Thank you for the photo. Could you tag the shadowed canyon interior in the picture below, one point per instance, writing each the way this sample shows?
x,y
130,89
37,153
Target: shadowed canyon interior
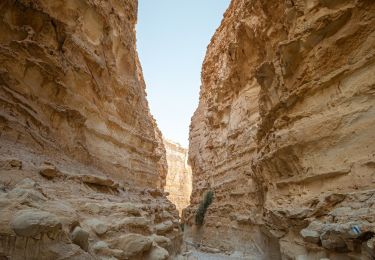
x,y
283,139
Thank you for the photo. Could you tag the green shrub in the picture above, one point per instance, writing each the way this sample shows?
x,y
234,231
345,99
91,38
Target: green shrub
x,y
203,206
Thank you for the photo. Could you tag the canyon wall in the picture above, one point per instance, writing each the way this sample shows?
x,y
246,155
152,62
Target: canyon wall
x,y
82,162
284,132
71,83
179,179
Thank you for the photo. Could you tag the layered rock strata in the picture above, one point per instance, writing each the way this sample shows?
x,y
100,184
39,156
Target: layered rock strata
x,y
71,83
179,179
72,215
284,132
82,163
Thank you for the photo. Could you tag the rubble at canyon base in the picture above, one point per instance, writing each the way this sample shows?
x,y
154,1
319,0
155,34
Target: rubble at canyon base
x,y
284,132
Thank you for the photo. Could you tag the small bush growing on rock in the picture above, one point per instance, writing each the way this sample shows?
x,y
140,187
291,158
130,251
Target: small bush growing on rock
x,y
203,206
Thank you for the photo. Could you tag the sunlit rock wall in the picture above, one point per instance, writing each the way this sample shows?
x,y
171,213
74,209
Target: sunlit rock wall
x,y
82,162
179,179
71,83
284,131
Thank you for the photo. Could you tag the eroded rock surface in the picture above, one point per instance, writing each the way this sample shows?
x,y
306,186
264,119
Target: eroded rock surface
x,y
71,83
179,177
73,220
82,163
284,131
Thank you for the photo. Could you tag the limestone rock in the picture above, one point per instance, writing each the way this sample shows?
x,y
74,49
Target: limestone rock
x,y
76,88
32,223
77,137
311,236
332,240
97,180
179,178
98,226
157,253
49,171
130,208
136,222
155,192
132,244
25,194
63,251
161,241
164,227
11,164
26,183
26,190
284,130
80,237
102,248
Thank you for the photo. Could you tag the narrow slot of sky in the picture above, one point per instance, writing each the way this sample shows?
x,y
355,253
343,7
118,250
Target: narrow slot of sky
x,y
172,36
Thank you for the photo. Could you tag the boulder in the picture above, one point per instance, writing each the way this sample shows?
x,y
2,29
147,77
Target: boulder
x,y
102,248
155,192
80,237
32,223
164,227
98,226
312,233
333,240
49,171
162,241
132,244
98,180
310,236
157,253
134,222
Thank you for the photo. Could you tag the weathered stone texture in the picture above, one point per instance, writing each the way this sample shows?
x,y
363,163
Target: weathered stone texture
x,y
179,179
71,82
82,162
284,131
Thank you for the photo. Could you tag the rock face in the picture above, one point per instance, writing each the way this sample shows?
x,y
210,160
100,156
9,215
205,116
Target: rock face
x,y
284,131
69,219
71,83
82,163
179,179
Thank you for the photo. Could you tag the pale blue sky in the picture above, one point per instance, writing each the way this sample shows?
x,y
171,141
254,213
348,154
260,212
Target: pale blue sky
x,y
172,36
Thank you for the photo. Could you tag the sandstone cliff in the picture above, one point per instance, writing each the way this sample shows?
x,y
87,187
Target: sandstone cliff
x,y
284,131
82,163
179,179
71,82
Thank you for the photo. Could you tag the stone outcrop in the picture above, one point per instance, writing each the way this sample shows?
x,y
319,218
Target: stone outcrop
x,y
179,179
82,162
71,83
284,132
70,219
